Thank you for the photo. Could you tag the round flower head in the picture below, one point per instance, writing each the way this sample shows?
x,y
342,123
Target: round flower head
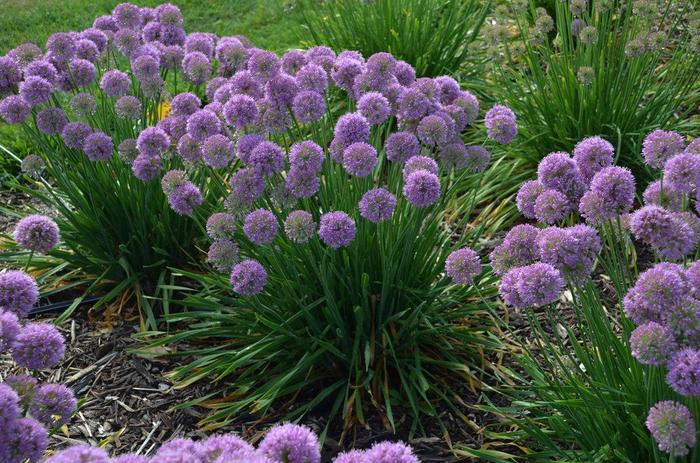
x,y
130,458
128,107
61,45
244,83
281,90
684,321
359,159
306,156
171,179
391,452
693,147
189,149
215,84
9,329
517,250
14,110
669,235
153,142
38,346
51,121
82,72
308,106
301,183
527,197
260,226
413,104
10,73
344,72
201,42
221,226
684,372
184,104
422,188
223,255
656,292
24,386
273,118
353,456
169,14
591,155
18,292
37,233
226,446
469,104
203,124
672,426
196,67
417,163
588,35
652,344
501,125
432,130
401,146
32,165
217,151
40,68
145,67
352,128
682,172
21,440
35,90
248,278
267,158
240,110
475,158
127,150
374,107
572,251
533,285
82,453
184,198
293,61
292,443
660,146
337,229
693,276
83,104
559,172
9,406
616,187
299,226
247,184
246,144
312,77
97,37
53,405
98,146
146,167
377,205
127,15
462,266
263,65
551,206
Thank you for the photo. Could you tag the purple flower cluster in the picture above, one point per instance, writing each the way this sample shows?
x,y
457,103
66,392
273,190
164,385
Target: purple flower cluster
x,y
462,266
532,285
37,233
672,426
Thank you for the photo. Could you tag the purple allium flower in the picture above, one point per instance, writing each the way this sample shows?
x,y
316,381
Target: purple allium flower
x,y
377,205
449,89
87,50
126,41
246,144
23,439
344,72
41,68
35,90
299,226
171,179
533,285
169,14
475,158
215,84
682,172
247,184
306,156
353,456
656,292
232,55
469,103
337,229
291,442
501,125
153,142
391,452
200,42
97,37
24,386
98,146
248,278
184,198
9,406
240,110
127,15
84,104
82,453
591,155
223,255
668,234
559,172
308,106
267,158
185,446
381,64
684,372
146,167
660,146
244,83
82,72
128,107
517,250
105,23
432,130
672,426
417,163
14,109
184,104
301,183
422,188
572,251
273,118
18,292
359,159
196,67
293,61
221,226
322,56
38,346
263,64
462,266
684,321
281,90
145,67
32,165
404,73
652,344
53,405
51,121
693,147
693,276
9,329
189,149
203,124
217,151
401,146
37,233
413,104
312,77
130,458
374,107
10,73
127,150
172,56
260,226
551,206
226,446
61,45
616,187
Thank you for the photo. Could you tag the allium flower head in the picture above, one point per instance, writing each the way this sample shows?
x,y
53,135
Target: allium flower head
x,y
267,158
308,106
35,90
184,104
200,42
682,172
221,225
244,83
24,386
61,45
196,67
146,167
572,251
41,68
226,446
240,110
391,452
9,329
261,226
413,104
128,107
533,285
189,149
38,346
527,196
184,198
18,292
462,266
169,14
263,64
9,406
51,121
32,165
559,172
171,179
291,442
14,110
153,141
591,155
312,77
10,73
517,249
281,90
616,187
84,104
660,146
37,233
352,128
23,439
353,456
672,426
359,159
433,131
684,372
475,158
422,188
82,453
127,15
247,184
301,183
588,35
374,107
203,124
299,226
344,72
656,292
551,206
417,163
337,229
693,147
248,278
218,151
98,146
501,125
652,344
53,405
97,37
82,72
377,205
668,234
223,255
306,156
293,61
400,146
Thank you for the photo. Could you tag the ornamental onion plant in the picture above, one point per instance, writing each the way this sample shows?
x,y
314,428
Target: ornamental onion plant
x,y
338,265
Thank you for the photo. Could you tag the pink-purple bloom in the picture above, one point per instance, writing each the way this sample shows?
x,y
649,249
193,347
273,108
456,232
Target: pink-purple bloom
x,y
422,188
462,266
291,442
337,229
377,205
672,426
299,226
660,146
501,125
18,292
261,226
38,346
248,277
37,233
